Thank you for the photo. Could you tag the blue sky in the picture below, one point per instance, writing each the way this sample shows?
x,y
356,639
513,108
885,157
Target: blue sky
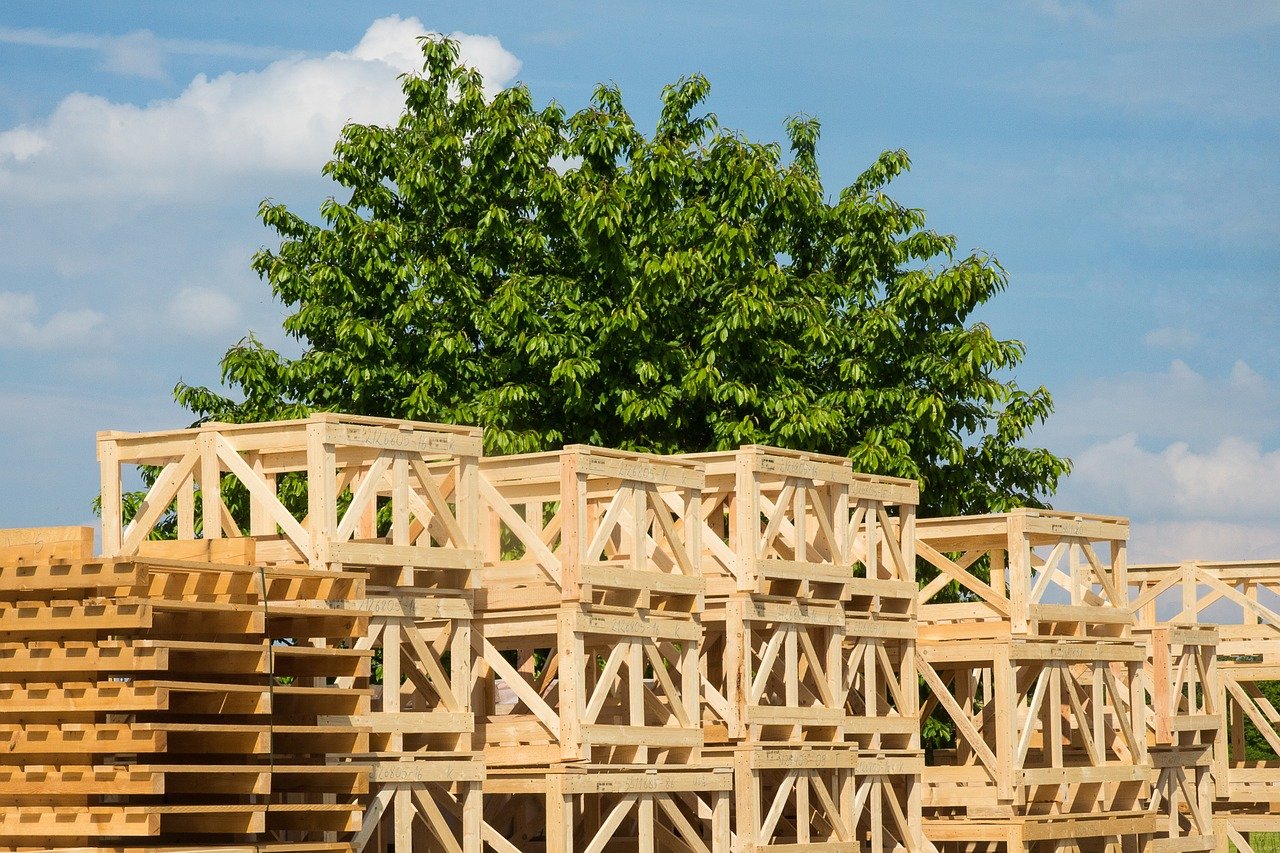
x,y
1118,158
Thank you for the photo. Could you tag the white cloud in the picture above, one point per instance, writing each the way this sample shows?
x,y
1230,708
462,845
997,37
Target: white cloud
x,y
1169,337
203,312
1178,404
1236,479
138,54
21,328
1221,504
1176,541
221,131
1193,460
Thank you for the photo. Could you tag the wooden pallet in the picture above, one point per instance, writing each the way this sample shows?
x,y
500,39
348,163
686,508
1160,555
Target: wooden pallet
x,y
423,474
141,698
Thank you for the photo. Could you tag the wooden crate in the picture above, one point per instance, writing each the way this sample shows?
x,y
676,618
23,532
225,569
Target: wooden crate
x,y
823,796
422,475
811,592
589,557
1222,682
809,689
1038,670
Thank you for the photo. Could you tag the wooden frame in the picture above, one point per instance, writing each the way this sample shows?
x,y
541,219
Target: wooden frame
x,y
1236,602
424,473
592,649
1038,672
824,797
1032,556
808,664
396,499
589,557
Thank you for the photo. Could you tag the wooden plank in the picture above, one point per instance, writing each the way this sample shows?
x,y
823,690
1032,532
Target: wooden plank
x,y
420,556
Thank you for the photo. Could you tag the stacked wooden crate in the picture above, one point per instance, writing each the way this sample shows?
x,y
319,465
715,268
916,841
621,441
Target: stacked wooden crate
x,y
808,655
588,632
392,502
159,700
1034,663
597,650
1238,602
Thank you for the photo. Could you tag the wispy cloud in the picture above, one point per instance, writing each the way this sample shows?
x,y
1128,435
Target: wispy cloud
x,y
140,53
1162,20
1177,404
1169,337
22,328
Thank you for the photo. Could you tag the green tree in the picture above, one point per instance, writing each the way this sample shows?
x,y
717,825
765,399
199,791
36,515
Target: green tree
x,y
563,278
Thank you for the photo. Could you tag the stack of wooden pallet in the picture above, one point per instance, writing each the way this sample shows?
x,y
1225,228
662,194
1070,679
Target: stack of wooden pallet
x,y
808,650
394,504
172,698
588,630
1228,683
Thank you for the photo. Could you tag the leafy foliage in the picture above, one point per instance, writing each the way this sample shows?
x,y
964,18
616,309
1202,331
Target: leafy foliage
x,y
563,278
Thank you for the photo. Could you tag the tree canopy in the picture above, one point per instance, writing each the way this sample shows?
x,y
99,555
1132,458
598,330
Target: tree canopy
x,y
562,278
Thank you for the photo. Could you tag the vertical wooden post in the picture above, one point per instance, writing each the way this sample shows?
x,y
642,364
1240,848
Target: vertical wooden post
x,y
738,654
109,466
747,799
746,519
872,526
1189,595
1019,548
572,687
907,514
321,500
559,816
877,812
1006,717
210,485
472,817
1161,675
467,501
186,509
260,521
1120,565
573,527
720,828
